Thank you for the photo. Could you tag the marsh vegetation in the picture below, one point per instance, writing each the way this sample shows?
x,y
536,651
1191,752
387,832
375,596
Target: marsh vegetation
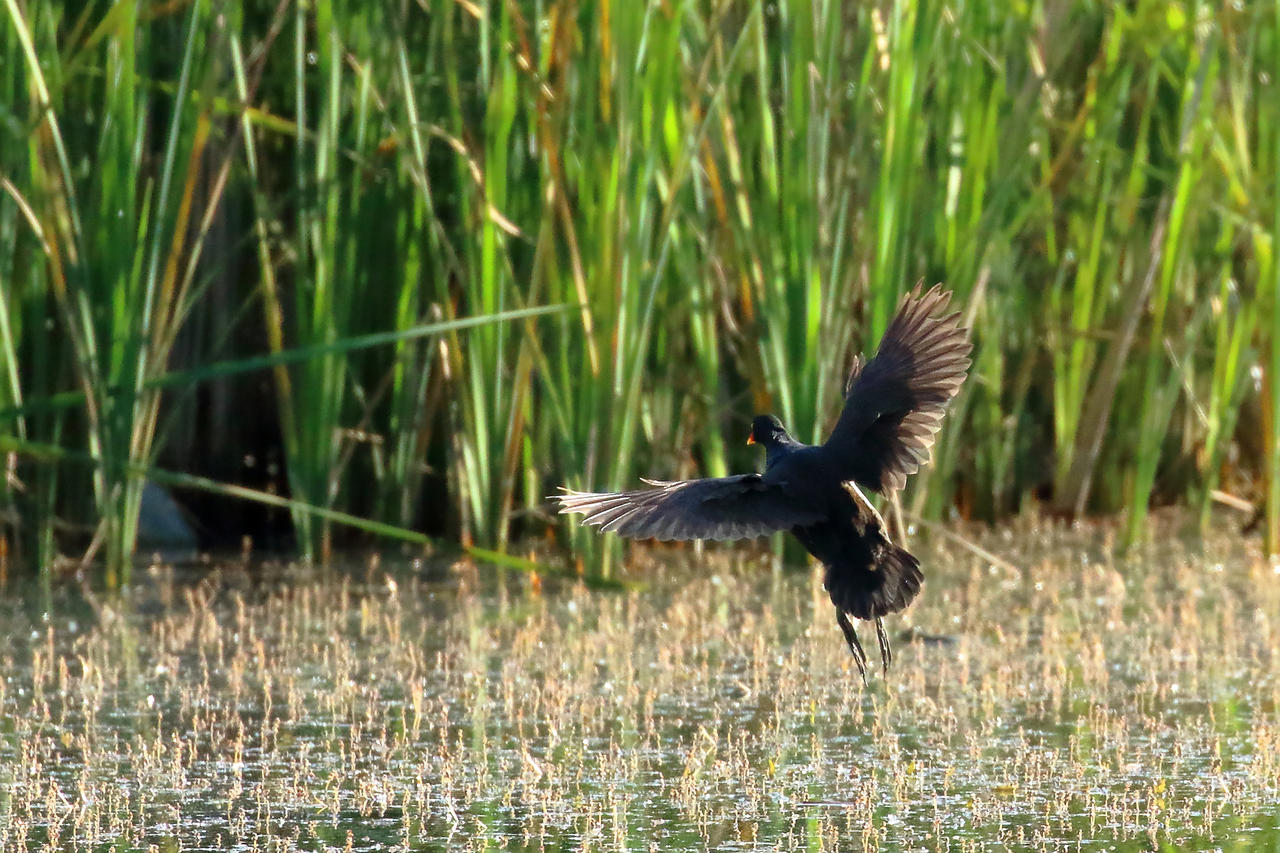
x,y
1075,700
334,273
412,265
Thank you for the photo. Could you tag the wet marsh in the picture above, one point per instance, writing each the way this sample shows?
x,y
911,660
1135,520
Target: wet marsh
x,y
1083,700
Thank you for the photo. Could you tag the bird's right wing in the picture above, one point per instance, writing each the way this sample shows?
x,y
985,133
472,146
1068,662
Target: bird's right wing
x,y
738,507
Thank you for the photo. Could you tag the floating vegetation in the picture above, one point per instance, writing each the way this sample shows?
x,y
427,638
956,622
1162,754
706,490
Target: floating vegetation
x,y
1078,701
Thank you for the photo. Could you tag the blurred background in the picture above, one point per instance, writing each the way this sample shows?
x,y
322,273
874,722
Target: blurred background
x,y
322,272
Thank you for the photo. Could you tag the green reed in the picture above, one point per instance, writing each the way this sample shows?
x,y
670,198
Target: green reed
x,y
120,237
729,197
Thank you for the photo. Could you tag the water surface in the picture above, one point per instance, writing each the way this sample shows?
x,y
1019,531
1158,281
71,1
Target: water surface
x,y
1068,699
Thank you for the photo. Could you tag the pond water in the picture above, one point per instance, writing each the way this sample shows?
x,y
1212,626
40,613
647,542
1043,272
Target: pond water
x,y
1062,698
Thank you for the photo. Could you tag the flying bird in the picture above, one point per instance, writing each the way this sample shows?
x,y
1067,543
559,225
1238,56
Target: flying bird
x,y
893,408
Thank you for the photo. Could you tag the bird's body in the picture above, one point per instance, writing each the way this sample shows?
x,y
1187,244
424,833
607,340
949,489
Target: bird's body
x,y
893,408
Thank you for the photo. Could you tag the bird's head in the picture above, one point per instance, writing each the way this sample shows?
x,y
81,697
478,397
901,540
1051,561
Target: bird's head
x,y
769,431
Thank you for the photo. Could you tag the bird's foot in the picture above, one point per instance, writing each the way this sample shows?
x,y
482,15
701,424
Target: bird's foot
x,y
851,637
886,651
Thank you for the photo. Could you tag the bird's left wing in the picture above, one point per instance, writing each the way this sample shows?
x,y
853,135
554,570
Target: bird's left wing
x,y
738,507
894,403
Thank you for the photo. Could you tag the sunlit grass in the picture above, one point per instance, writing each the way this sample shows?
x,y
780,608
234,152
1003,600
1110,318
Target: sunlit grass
x,y
1079,698
730,196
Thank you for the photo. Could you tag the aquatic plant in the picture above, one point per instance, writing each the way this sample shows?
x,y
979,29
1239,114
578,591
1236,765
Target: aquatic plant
x,y
731,197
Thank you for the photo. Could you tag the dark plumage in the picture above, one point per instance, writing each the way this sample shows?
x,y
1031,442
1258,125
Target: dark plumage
x,y
893,408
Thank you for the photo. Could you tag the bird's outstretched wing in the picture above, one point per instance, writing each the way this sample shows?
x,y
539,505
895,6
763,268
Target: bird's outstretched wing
x,y
895,402
737,507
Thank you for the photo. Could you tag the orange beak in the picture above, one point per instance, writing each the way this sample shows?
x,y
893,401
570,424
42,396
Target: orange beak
x,y
751,439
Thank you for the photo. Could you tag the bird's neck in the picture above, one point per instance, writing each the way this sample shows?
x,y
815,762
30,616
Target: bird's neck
x,y
774,451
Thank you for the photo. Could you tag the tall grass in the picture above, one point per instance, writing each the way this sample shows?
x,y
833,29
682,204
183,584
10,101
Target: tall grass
x,y
730,195
118,227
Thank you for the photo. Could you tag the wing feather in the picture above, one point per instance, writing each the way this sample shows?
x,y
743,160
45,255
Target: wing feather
x,y
737,507
895,402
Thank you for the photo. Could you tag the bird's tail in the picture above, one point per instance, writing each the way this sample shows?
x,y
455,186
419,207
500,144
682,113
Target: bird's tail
x,y
892,583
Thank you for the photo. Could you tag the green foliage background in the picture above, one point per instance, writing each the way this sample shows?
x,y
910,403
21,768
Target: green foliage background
x,y
716,203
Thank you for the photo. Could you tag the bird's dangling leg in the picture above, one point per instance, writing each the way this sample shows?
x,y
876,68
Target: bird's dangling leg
x,y
886,652
851,637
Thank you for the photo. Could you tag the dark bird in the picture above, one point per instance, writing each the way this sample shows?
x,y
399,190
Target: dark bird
x,y
893,408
